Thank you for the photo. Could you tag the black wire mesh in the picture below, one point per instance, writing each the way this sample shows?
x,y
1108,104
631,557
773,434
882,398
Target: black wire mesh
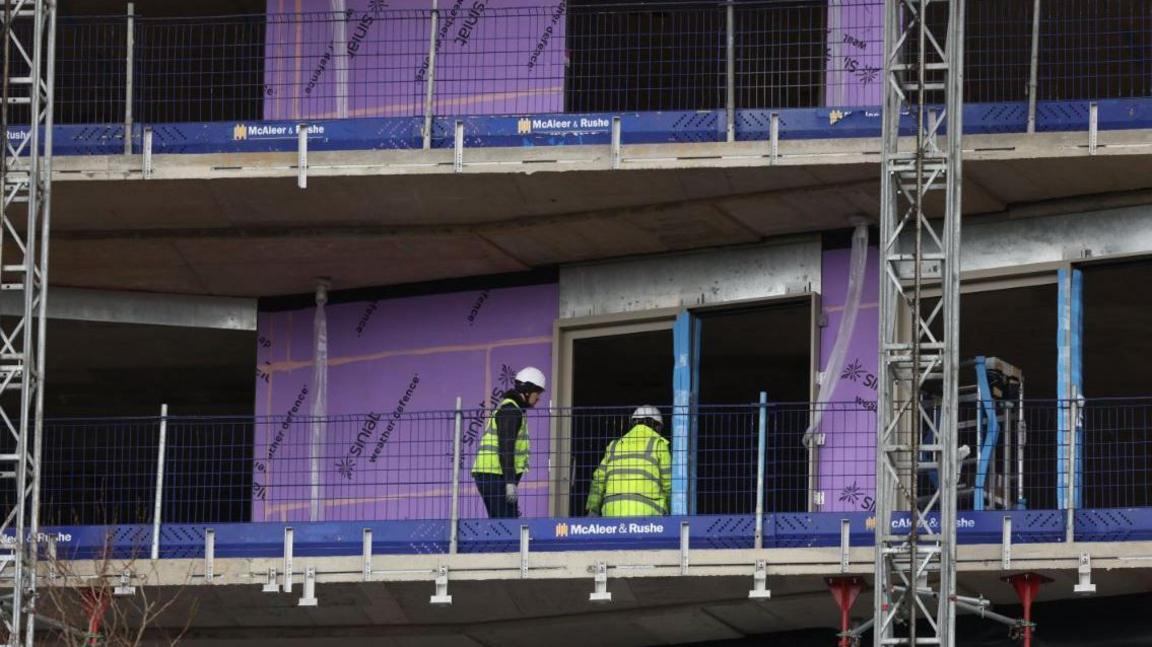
x,y
578,57
399,466
91,70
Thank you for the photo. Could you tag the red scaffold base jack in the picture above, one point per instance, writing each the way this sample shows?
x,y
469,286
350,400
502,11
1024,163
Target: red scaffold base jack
x,y
845,590
95,606
1027,585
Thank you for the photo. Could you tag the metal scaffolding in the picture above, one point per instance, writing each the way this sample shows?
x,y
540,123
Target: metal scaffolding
x,y
916,440
25,175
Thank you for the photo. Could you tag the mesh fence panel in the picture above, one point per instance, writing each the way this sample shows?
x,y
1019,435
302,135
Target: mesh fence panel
x,y
572,57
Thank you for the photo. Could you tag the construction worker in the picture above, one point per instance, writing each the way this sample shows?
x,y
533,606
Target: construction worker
x,y
504,448
635,477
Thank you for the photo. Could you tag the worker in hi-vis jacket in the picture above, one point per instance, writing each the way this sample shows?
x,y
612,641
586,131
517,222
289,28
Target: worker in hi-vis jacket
x,y
635,477
504,448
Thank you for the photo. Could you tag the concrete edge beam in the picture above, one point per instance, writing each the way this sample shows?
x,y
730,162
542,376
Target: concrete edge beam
x,y
581,564
143,308
579,158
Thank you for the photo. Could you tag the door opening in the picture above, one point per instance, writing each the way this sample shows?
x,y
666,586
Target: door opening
x,y
610,375
743,352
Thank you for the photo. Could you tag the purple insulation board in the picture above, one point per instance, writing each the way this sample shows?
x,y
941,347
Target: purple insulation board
x,y
847,459
395,370
855,53
492,57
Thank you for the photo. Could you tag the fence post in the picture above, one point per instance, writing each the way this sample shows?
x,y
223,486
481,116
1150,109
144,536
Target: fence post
x,y
430,80
160,455
1070,511
455,511
761,442
302,156
730,76
1034,67
128,74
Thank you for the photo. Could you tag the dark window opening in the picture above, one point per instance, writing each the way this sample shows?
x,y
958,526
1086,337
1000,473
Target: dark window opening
x,y
1017,326
1095,50
100,469
207,69
1117,385
668,58
674,56
190,64
781,55
743,352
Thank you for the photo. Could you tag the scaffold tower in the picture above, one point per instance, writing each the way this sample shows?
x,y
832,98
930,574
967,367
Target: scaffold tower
x,y
25,174
915,582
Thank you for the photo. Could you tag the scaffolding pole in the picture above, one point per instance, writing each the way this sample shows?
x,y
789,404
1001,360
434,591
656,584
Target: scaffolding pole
x,y
25,175
915,515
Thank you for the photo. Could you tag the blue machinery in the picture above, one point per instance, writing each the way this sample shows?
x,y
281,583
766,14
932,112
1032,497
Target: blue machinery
x,y
991,420
996,403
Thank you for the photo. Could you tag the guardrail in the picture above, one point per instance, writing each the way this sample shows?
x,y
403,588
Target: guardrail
x,y
740,459
497,58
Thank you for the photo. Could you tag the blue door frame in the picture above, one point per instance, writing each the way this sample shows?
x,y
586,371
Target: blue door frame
x,y
685,386
1070,386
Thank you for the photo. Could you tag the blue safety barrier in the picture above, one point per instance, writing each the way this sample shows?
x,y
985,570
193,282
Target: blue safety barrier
x,y
584,533
782,530
76,140
393,133
259,539
677,127
1114,524
580,129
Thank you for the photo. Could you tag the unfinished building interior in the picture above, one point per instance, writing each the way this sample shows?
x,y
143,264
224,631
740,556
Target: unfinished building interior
x,y
301,250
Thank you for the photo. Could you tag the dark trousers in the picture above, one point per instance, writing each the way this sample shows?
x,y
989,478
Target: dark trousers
x,y
491,487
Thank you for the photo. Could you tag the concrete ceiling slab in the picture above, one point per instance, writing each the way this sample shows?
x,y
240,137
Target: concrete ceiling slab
x,y
748,618
685,626
126,264
644,611
281,266
1034,180
265,237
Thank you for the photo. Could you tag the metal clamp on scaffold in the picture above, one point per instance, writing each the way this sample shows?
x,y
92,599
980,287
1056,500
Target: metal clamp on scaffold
x,y
125,588
601,592
1084,572
289,535
209,555
760,582
366,553
309,597
270,586
441,596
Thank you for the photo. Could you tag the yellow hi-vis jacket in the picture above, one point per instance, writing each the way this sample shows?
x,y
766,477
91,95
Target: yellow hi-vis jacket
x,y
635,477
488,456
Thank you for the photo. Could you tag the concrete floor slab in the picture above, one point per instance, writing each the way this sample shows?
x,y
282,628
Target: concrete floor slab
x,y
365,221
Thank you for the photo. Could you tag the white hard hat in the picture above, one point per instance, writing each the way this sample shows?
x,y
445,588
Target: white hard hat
x,y
648,411
531,376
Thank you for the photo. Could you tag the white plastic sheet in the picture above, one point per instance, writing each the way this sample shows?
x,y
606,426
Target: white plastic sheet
x,y
857,266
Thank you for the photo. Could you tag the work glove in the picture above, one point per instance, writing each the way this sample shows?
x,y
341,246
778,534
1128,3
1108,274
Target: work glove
x,y
510,493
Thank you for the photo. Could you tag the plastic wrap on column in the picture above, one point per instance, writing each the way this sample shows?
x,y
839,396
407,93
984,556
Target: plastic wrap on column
x,y
857,265
320,398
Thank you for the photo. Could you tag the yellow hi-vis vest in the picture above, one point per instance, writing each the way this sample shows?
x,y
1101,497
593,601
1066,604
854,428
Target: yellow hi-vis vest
x,y
635,477
488,456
